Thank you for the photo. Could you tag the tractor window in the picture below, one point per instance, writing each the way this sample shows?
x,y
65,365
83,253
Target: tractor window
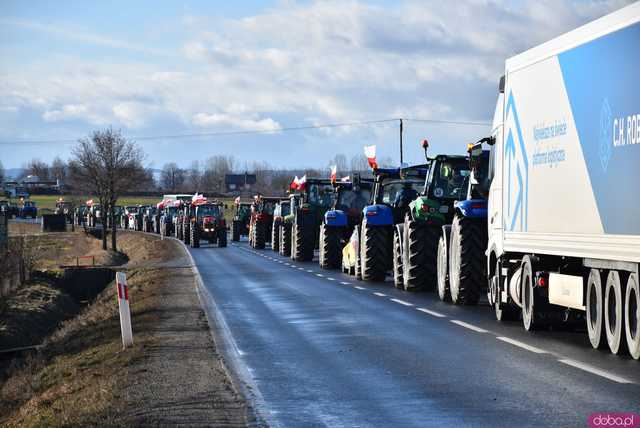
x,y
353,199
284,210
392,190
208,210
267,208
132,210
450,180
320,195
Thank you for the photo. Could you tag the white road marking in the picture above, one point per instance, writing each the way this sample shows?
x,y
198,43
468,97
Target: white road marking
x,y
430,312
300,268
595,371
380,294
287,264
345,283
320,275
358,287
522,345
331,279
309,270
469,326
402,302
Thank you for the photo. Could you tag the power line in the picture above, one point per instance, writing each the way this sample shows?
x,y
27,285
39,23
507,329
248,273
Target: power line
x,y
252,132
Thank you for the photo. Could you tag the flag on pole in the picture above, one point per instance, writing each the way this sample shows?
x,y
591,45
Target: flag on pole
x,y
334,173
370,153
294,183
302,182
198,198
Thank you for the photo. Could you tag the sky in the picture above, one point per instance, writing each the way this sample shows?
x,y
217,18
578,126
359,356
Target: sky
x,y
166,68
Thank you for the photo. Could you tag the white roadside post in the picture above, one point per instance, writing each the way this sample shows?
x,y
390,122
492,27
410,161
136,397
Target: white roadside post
x,y
123,306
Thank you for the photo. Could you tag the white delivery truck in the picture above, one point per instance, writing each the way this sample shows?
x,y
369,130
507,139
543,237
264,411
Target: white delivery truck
x,y
564,204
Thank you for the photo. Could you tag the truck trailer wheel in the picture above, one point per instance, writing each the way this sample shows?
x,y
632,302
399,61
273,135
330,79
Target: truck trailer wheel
x,y
222,238
275,236
398,278
285,240
420,255
631,315
195,236
235,231
614,312
443,270
467,260
375,250
595,309
330,254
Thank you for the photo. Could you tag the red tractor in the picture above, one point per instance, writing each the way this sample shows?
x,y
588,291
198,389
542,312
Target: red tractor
x,y
261,220
206,221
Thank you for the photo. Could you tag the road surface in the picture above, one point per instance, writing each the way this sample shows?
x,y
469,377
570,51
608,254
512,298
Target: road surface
x,y
319,348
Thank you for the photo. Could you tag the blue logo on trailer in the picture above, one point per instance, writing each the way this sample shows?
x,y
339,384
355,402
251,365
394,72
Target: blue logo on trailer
x,y
517,169
606,122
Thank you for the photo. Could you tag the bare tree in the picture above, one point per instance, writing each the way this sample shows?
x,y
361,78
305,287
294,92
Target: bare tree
x,y
172,177
194,176
340,161
215,170
58,170
359,163
107,164
37,168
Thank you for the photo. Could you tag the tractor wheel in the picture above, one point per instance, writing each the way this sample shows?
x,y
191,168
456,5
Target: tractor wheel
x,y
186,233
260,233
235,231
398,280
420,255
467,271
443,270
194,238
275,236
330,254
179,231
376,248
285,239
303,243
222,238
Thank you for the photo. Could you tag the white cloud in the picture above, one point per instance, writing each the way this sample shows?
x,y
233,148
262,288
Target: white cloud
x,y
218,119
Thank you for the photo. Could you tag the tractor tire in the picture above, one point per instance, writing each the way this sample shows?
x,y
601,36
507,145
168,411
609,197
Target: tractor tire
x,y
275,236
302,243
376,250
260,233
235,231
398,278
222,238
420,255
194,238
186,233
467,270
285,240
443,270
330,254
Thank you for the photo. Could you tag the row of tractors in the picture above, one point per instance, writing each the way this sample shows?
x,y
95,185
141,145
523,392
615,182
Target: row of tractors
x,y
424,224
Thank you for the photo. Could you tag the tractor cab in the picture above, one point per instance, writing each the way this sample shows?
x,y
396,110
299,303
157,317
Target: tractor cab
x,y
261,224
396,188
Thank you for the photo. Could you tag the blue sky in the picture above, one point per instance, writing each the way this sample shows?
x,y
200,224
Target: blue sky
x,y
164,68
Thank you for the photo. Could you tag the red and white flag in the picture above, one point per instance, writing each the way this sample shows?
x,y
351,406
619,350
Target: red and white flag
x,y
370,153
198,198
294,183
334,173
302,182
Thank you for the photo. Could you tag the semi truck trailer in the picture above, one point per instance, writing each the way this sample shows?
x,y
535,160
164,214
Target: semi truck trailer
x,y
564,206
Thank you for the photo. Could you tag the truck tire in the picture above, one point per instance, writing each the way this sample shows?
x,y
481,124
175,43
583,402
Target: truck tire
x,y
398,279
194,239
285,240
235,231
595,309
631,304
614,312
375,252
222,238
330,254
420,256
467,270
259,235
528,295
302,243
502,311
275,236
443,270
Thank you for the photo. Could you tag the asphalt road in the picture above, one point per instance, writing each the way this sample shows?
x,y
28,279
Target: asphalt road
x,y
319,348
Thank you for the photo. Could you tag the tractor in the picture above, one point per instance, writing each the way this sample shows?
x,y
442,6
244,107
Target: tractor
x,y
168,212
280,211
415,249
94,215
205,220
260,224
461,262
369,252
339,222
127,213
65,208
148,219
313,200
241,218
286,213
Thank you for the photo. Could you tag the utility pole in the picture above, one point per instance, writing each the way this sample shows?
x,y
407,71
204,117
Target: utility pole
x,y
401,158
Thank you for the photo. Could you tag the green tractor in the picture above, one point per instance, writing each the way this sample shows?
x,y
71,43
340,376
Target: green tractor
x,y
415,249
241,218
287,214
314,198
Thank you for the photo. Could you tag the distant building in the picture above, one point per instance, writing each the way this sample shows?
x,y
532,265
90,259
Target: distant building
x,y
30,184
239,183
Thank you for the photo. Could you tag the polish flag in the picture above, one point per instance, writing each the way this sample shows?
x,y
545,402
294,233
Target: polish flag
x,y
370,153
302,182
334,173
198,199
295,183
